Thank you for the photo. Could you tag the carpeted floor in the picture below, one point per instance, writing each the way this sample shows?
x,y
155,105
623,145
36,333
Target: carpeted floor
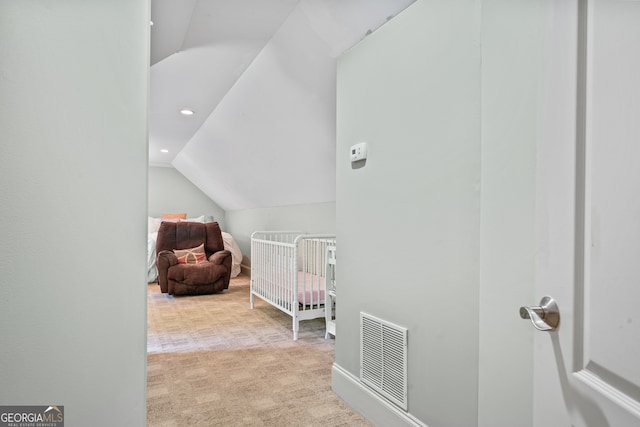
x,y
212,361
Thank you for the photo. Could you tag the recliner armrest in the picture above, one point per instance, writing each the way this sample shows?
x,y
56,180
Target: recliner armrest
x,y
219,257
164,260
169,257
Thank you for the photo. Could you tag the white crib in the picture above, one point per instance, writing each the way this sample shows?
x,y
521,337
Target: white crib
x,y
287,271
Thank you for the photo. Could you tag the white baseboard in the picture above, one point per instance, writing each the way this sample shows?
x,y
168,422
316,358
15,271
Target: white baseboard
x,y
245,269
376,409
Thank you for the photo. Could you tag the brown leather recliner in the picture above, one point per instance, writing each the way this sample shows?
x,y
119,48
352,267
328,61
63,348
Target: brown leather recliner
x,y
206,277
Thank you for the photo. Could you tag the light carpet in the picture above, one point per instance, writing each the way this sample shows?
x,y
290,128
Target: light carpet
x,y
212,361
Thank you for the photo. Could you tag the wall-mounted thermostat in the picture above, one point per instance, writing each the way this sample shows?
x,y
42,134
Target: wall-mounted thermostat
x,y
359,152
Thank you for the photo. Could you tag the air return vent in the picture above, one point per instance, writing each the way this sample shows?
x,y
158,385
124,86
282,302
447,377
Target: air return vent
x,y
383,358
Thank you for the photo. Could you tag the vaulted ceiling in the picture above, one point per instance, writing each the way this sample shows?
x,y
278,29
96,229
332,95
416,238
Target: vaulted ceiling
x,y
260,77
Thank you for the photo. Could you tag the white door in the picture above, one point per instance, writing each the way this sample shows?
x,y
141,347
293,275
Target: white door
x,y
587,372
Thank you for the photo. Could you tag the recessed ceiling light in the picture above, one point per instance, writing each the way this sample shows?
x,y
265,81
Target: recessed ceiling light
x,y
151,23
164,150
186,112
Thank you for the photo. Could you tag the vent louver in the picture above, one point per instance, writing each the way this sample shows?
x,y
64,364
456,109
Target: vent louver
x,y
383,358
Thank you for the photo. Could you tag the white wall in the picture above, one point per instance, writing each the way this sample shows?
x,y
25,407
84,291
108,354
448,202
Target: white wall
x,y
73,201
446,95
512,38
408,222
310,218
274,127
171,192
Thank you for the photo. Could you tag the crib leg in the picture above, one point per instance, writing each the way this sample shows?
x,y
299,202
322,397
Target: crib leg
x,y
251,300
295,328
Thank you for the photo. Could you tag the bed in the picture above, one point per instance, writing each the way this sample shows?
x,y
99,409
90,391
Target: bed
x,y
152,230
287,271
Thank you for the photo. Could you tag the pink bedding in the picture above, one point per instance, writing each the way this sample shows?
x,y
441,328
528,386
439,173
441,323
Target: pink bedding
x,y
311,292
